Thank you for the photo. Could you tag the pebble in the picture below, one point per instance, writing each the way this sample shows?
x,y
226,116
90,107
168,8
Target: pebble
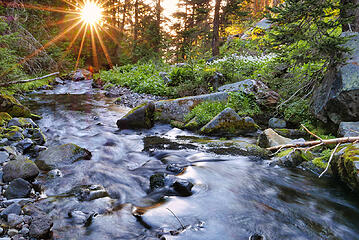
x,y
12,232
24,230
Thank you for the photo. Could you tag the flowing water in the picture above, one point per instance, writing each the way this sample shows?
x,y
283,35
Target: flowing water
x,y
233,196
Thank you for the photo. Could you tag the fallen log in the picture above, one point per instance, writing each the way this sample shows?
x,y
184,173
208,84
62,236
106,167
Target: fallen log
x,y
314,143
28,80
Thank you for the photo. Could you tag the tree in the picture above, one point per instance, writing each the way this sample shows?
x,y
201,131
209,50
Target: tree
x,y
215,38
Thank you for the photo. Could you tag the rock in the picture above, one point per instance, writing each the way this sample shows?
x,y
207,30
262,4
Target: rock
x,y
18,188
98,83
345,166
24,231
78,217
270,138
228,122
4,118
14,208
139,117
256,237
38,137
58,156
24,145
1,231
177,124
193,124
13,220
40,226
348,129
93,192
22,122
183,187
20,168
157,181
165,77
12,232
277,123
81,74
13,107
337,97
264,96
20,201
264,24
293,158
14,134
292,133
177,109
54,173
57,81
4,157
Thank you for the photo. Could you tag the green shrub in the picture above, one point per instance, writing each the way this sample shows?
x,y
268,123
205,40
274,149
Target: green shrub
x,y
244,104
206,111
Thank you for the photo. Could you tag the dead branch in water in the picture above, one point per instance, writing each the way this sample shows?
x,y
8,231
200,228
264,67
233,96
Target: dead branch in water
x,y
330,160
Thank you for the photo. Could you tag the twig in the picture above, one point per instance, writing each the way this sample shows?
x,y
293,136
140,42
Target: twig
x,y
176,218
353,131
314,135
330,159
310,148
28,80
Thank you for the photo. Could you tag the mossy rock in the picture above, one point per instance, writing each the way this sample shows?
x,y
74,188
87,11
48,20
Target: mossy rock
x,y
177,124
293,158
193,124
59,156
20,168
229,123
4,118
140,117
13,107
22,122
346,166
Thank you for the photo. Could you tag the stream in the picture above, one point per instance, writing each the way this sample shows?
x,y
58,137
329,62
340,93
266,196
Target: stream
x,y
233,197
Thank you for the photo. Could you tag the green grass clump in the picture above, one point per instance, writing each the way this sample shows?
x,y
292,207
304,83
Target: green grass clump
x,y
205,112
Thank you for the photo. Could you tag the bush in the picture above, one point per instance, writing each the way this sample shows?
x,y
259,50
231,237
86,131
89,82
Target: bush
x,y
206,111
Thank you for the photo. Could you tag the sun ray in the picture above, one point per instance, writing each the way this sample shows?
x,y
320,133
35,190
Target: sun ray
x,y
108,58
94,50
72,42
81,46
63,21
110,35
41,7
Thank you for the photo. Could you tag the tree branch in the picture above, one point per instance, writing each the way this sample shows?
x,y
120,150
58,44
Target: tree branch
x,y
28,80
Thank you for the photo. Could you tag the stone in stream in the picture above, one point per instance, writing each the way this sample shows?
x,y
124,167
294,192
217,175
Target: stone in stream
x,y
18,188
24,145
292,158
4,157
269,138
337,97
228,122
20,168
38,137
40,226
59,156
348,129
13,220
170,185
140,117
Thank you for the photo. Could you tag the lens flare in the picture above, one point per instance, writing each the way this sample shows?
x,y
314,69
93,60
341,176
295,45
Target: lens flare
x,y
91,13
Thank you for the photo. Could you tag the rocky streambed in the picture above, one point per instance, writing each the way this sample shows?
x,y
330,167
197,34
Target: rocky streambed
x,y
91,180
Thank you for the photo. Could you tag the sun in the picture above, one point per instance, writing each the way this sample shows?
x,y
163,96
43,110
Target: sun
x,y
91,13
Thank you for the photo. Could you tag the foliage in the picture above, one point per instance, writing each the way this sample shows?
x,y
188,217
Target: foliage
x,y
244,104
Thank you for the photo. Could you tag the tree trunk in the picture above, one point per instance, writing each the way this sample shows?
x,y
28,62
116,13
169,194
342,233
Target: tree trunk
x,y
158,26
215,38
135,30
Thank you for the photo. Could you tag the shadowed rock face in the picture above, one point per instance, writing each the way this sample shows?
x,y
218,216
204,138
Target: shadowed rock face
x,y
139,117
337,98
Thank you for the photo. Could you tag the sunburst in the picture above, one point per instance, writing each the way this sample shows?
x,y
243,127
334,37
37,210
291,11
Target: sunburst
x,y
88,15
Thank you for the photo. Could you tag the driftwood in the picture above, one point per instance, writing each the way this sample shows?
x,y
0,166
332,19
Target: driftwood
x,y
330,160
28,80
315,143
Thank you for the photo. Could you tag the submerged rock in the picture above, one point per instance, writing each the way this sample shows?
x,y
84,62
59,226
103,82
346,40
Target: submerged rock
x,y
139,117
292,158
58,156
177,109
348,129
20,168
18,188
228,122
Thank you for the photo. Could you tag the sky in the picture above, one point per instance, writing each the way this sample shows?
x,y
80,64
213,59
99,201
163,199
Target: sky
x,y
169,7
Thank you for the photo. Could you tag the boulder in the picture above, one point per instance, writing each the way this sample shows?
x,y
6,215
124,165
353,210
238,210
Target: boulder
x,y
277,123
337,98
348,129
40,227
20,168
177,109
80,75
345,165
228,122
269,138
13,107
14,208
59,156
139,117
18,188
264,96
